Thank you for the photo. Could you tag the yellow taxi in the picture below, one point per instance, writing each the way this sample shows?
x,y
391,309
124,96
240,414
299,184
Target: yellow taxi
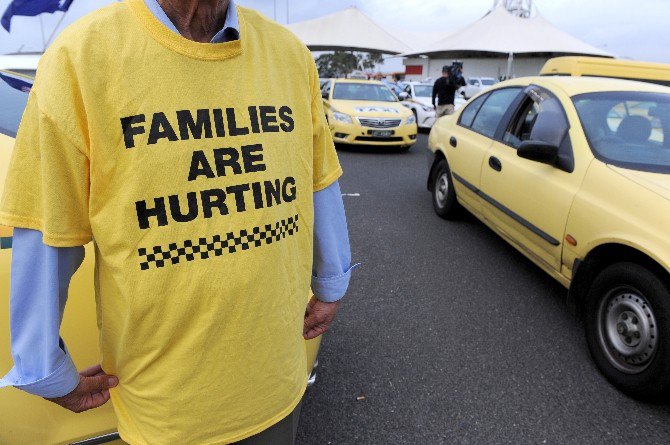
x,y
27,419
364,112
574,172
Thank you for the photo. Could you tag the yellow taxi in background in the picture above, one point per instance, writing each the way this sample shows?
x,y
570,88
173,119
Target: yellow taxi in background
x,y
574,172
364,112
27,419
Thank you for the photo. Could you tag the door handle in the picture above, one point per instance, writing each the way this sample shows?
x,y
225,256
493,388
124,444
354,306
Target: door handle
x,y
453,142
495,163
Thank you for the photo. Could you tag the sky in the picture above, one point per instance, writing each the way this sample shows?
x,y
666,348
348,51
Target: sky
x,y
631,29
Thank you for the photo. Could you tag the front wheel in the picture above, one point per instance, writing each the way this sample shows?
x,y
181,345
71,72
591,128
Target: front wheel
x,y
444,195
628,329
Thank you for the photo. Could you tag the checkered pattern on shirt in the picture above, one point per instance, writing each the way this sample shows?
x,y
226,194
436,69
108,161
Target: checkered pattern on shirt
x,y
206,248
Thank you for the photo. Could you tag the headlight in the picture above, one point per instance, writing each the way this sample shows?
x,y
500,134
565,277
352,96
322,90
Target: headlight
x,y
341,117
411,120
427,109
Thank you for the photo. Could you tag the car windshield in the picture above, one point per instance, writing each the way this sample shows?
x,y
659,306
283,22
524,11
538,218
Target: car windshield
x,y
363,91
423,90
488,82
13,96
628,129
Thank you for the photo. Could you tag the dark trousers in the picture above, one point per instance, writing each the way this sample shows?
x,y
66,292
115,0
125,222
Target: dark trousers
x,y
282,433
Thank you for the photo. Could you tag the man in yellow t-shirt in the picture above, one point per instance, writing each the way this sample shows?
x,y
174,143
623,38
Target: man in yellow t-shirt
x,y
197,178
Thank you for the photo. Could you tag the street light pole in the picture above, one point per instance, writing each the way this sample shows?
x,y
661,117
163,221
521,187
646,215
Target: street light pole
x,y
275,10
288,17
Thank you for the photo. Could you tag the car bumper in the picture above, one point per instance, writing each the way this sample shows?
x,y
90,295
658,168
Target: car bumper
x,y
354,134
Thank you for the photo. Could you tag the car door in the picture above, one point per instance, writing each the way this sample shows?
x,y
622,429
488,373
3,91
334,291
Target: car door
x,y
471,139
529,200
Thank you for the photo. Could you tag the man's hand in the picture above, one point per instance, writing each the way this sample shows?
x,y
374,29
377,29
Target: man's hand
x,y
318,317
92,391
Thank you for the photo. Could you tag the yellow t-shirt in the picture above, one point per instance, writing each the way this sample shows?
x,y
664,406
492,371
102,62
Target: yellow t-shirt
x,y
193,167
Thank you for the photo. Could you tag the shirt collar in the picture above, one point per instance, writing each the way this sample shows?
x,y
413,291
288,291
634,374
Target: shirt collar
x,y
229,32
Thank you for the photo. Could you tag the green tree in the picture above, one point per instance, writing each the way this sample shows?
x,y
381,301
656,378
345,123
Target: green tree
x,y
341,63
337,64
371,59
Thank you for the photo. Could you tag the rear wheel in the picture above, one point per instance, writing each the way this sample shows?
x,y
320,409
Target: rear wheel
x,y
628,329
444,195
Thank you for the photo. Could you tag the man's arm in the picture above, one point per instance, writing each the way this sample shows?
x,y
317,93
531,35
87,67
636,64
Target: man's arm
x,y
435,92
332,260
40,277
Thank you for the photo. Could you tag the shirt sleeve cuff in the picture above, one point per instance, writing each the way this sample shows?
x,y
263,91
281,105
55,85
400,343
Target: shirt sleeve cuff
x,y
57,384
332,289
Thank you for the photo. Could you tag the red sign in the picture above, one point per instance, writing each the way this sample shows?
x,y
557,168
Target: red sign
x,y
416,70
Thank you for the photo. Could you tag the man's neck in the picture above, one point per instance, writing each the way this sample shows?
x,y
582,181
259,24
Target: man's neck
x,y
196,20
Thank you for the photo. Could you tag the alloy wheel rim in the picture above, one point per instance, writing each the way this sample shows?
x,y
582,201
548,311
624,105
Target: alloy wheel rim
x,y
627,330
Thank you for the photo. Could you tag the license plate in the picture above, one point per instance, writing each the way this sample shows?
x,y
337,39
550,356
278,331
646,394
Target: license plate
x,y
381,133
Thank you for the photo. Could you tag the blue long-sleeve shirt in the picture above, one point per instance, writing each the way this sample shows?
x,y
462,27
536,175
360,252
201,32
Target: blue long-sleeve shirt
x,y
41,274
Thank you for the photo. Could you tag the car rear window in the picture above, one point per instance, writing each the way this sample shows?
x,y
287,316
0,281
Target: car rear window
x,y
13,97
491,113
471,110
628,129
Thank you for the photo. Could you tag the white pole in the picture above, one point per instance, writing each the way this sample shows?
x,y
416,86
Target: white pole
x,y
275,10
44,43
288,17
510,62
55,29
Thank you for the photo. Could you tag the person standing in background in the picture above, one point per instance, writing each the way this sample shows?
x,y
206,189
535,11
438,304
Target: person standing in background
x,y
444,90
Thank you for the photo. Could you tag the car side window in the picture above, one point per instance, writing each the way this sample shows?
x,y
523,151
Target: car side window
x,y
468,115
492,111
541,118
408,90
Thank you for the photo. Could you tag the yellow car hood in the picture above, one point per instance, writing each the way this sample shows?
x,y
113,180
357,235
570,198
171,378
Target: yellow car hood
x,y
658,183
371,109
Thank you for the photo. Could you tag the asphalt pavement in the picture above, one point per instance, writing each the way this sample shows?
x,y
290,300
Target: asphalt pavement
x,y
450,336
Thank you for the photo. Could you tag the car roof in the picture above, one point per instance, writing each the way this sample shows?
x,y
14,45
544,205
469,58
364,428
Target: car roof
x,y
573,86
20,61
374,82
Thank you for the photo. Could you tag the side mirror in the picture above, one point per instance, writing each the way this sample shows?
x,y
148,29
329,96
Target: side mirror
x,y
538,151
325,95
403,96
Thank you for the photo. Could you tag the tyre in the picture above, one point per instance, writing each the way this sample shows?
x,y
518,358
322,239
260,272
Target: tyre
x,y
628,330
444,195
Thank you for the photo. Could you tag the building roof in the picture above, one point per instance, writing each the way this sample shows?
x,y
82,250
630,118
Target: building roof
x,y
349,30
500,32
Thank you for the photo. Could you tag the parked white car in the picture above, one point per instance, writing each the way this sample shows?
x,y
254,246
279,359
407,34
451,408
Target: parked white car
x,y
476,85
418,97
22,63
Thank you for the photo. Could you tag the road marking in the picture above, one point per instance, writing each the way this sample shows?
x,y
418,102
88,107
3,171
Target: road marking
x,y
354,195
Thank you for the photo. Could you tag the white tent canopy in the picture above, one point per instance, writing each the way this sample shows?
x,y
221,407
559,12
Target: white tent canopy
x,y
500,32
349,30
